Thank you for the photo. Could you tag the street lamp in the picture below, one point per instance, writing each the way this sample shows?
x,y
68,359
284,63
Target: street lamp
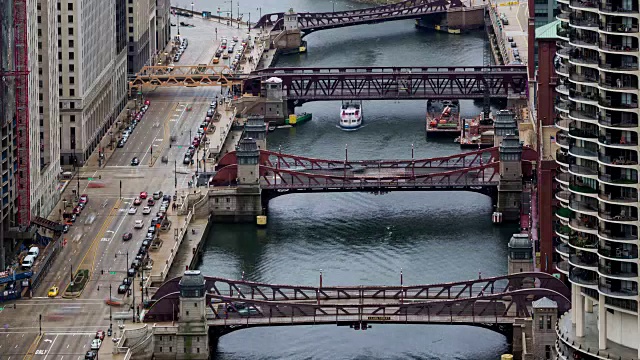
x,y
239,16
192,7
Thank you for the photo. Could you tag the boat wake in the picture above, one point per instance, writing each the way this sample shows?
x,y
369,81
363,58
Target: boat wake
x,y
354,129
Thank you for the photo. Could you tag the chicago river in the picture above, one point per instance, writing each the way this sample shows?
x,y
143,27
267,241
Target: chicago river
x,y
358,238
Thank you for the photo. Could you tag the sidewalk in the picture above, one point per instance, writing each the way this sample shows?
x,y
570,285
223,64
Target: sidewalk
x,y
114,133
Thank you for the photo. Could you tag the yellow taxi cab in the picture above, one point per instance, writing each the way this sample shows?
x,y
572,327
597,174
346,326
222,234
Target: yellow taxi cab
x,y
53,291
216,60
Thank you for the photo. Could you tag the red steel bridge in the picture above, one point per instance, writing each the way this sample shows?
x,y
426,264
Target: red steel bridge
x,y
366,83
490,302
280,174
409,9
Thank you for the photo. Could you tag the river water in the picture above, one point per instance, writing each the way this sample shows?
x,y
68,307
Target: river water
x,y
358,238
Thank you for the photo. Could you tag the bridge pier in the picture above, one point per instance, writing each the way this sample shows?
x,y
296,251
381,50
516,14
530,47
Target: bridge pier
x,y
289,40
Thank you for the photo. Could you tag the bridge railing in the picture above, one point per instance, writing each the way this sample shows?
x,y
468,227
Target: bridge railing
x,y
394,69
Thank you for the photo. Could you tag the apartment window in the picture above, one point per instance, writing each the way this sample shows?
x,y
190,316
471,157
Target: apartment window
x,y
70,43
59,43
39,45
131,48
72,137
59,19
130,28
40,96
41,109
71,56
72,104
72,68
70,19
547,351
130,19
58,6
541,322
59,79
130,38
130,10
40,57
69,6
39,30
548,322
72,118
60,67
60,93
70,31
72,92
72,80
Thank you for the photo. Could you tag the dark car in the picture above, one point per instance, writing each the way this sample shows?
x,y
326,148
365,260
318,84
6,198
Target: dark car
x,y
127,236
135,161
65,228
151,202
151,230
122,289
135,264
90,355
140,257
186,160
155,220
126,281
121,143
149,236
145,244
131,273
166,198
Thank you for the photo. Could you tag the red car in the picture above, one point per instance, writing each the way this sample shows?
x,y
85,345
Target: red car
x,y
100,334
151,202
196,142
77,210
147,102
127,236
84,198
143,195
137,202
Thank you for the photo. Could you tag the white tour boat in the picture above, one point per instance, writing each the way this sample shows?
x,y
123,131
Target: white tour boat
x,y
351,115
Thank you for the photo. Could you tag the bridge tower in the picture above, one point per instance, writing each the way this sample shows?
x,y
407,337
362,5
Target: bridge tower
x,y
289,39
510,186
275,109
520,254
248,162
192,337
503,125
255,128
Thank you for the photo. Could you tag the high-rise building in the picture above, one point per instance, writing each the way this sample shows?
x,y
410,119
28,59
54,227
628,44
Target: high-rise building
x,y
93,78
8,164
163,24
597,109
45,122
141,32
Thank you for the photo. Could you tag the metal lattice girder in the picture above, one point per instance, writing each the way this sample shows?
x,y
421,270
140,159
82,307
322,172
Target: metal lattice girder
x,y
288,161
184,75
232,291
308,22
503,307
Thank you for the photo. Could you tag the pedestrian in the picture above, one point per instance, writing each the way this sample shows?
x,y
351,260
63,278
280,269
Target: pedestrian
x,y
619,82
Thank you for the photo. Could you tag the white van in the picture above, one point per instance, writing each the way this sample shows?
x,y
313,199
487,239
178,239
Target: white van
x,y
27,262
35,251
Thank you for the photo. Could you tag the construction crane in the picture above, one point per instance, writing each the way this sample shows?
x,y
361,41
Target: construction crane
x,y
20,74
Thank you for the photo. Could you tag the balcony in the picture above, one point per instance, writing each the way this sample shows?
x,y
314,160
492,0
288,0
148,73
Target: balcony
x,y
617,160
588,97
583,4
563,178
562,106
588,23
616,272
583,60
618,48
627,66
617,104
584,133
563,196
583,189
617,139
563,124
561,89
618,214
564,52
584,224
583,152
614,288
586,79
587,242
563,16
613,194
563,267
562,159
582,170
564,213
583,277
563,249
618,84
617,7
618,253
619,28
617,179
584,206
589,263
617,122
563,230
617,234
583,115
562,70
562,140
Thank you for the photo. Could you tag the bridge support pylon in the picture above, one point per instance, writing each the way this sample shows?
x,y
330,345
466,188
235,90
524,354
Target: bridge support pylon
x,y
289,40
510,185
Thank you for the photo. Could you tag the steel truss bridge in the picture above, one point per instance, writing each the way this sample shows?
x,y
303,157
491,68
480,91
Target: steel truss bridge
x,y
366,83
281,174
410,9
489,302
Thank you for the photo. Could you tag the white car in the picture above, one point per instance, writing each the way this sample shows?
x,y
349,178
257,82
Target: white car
x,y
163,208
95,344
132,210
139,224
146,210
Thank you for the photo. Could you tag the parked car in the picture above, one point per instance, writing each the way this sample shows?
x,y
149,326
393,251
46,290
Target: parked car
x,y
122,289
90,355
100,334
